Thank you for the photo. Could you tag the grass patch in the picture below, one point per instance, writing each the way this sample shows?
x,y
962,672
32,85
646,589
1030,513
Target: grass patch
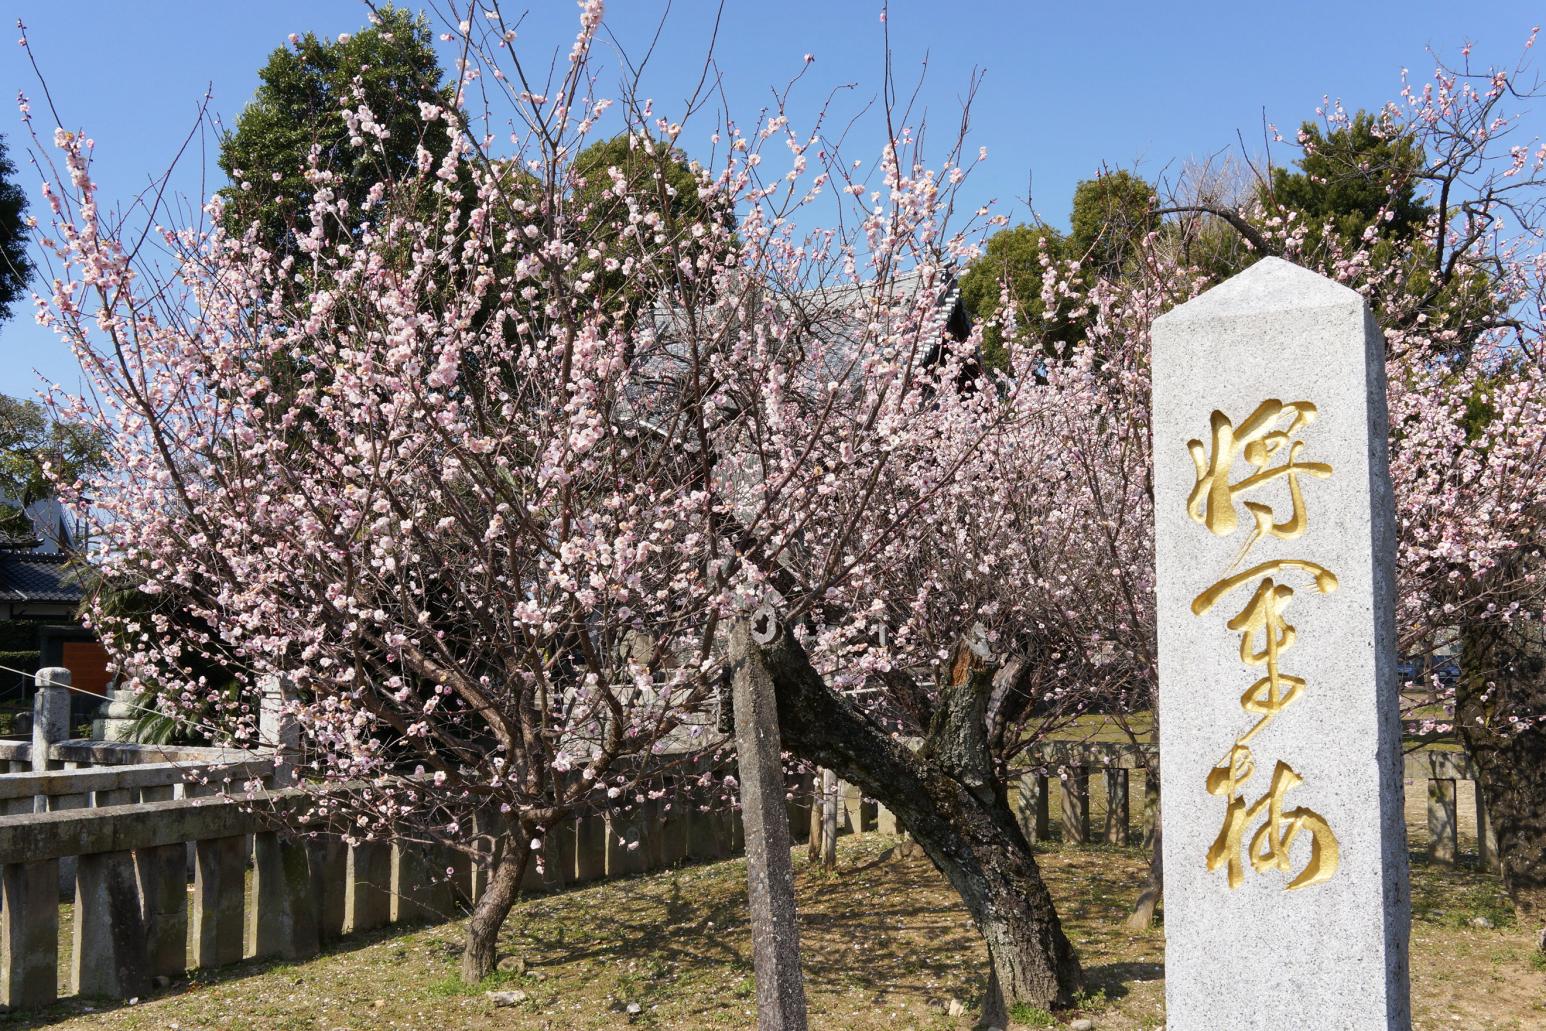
x,y
1031,1016
452,984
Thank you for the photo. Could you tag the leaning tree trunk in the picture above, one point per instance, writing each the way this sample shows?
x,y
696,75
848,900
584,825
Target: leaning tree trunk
x,y
1142,916
946,797
1504,675
488,915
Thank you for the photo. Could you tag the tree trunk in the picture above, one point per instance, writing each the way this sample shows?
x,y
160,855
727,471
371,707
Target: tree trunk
x,y
1504,674
488,914
1142,916
813,845
947,798
828,820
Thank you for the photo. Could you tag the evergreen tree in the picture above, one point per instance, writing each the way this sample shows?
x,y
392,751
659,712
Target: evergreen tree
x,y
15,265
391,68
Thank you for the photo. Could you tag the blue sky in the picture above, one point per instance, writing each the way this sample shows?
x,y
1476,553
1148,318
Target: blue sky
x,y
1068,86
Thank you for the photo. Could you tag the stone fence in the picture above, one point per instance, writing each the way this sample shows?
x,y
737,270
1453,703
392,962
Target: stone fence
x,y
169,875
1071,765
135,919
78,753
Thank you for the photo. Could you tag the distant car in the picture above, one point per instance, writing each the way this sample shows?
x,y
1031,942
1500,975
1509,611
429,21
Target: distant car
x,y
1416,671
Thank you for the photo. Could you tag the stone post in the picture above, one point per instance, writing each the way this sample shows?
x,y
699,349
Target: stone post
x,y
50,718
29,934
885,821
162,872
368,891
1076,805
1116,806
108,957
1284,846
796,792
219,900
1151,803
278,730
625,842
282,920
852,811
330,887
591,847
829,819
1035,822
1486,835
673,820
769,872
115,715
1443,820
420,892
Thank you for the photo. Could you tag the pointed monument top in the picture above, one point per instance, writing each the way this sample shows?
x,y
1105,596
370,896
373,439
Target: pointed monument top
x,y
1271,284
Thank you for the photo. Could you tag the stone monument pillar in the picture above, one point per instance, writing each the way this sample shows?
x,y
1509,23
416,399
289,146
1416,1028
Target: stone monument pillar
x,y
1286,895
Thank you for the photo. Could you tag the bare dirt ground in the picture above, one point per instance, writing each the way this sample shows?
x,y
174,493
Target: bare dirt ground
x,y
887,946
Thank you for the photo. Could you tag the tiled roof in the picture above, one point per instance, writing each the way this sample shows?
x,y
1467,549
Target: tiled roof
x,y
27,576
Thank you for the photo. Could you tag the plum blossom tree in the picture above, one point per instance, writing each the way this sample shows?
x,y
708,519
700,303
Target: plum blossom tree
x,y
1442,237
1461,305
490,531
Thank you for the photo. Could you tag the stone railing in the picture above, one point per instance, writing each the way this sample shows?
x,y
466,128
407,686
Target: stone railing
x,y
126,784
134,922
79,753
1071,764
122,837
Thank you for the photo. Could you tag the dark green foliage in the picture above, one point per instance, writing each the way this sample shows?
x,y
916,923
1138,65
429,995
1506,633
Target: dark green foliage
x,y
20,658
1352,174
15,527
24,659
299,104
1362,181
1012,259
662,173
123,602
1112,214
28,439
15,264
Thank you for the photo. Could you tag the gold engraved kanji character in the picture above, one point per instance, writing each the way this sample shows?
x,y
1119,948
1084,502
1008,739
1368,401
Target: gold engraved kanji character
x,y
1270,844
1264,435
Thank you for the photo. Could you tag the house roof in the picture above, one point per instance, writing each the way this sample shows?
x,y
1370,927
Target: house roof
x,y
29,576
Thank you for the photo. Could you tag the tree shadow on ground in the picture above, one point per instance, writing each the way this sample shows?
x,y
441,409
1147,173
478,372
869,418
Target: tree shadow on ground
x,y
71,1006
1113,978
881,928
